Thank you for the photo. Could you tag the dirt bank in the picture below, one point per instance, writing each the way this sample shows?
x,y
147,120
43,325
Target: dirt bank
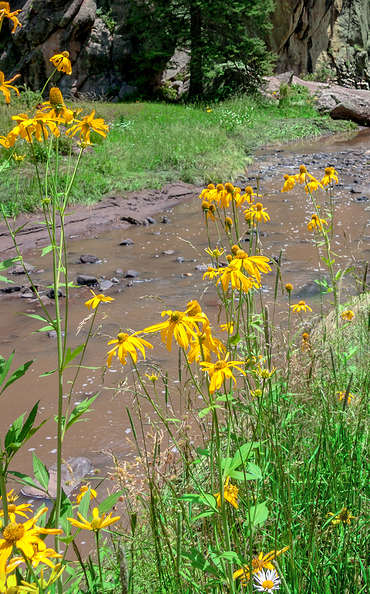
x,y
112,212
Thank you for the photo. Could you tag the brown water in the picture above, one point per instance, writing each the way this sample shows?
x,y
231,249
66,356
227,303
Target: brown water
x,y
165,283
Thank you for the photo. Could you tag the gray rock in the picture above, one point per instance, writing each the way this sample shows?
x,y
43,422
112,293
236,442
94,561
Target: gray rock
x,y
131,274
88,259
126,91
310,289
22,268
127,242
201,267
85,279
115,280
150,220
51,293
165,220
168,252
11,289
105,285
73,471
53,334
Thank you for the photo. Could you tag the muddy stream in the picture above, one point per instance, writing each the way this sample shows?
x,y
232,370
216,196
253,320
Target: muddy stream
x,y
168,257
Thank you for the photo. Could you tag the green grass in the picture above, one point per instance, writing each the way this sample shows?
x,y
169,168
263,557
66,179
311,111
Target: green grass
x,y
151,144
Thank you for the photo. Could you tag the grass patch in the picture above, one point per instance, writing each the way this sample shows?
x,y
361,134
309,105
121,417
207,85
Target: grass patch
x,y
151,144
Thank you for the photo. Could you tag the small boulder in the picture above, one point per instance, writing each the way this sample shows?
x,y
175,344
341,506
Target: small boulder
x,y
126,242
22,268
105,285
85,279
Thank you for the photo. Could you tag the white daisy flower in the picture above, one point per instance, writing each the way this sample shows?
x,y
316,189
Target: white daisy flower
x,y
266,581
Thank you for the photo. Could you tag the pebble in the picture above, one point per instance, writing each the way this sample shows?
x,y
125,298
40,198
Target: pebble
x,y
105,285
51,294
131,274
150,220
22,268
88,259
168,252
127,242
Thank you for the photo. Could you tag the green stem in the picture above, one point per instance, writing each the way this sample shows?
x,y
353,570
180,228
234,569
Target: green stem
x,y
99,560
3,492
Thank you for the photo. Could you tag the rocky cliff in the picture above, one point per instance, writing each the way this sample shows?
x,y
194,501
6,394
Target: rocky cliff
x,y
329,37
326,36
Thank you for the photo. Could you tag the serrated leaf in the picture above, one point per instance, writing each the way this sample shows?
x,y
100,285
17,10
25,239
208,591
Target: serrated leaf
x,y
79,410
40,471
70,355
8,263
17,374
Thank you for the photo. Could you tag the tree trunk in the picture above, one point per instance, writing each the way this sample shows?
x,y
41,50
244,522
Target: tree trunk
x,y
196,58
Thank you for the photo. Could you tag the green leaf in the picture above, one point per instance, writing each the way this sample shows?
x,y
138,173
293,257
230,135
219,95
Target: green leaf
x,y
16,375
84,504
24,479
79,410
5,366
46,250
202,413
234,340
8,263
6,280
46,373
70,355
243,453
40,471
109,502
258,514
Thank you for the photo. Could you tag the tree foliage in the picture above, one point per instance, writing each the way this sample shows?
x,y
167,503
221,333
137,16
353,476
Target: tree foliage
x,y
226,41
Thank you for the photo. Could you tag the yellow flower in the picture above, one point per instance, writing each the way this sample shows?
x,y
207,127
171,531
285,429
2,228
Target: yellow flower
x,y
253,265
16,510
256,213
264,373
348,315
229,328
212,273
290,181
203,345
38,125
289,287
305,346
216,253
5,13
5,86
179,325
97,299
316,223
250,194
342,395
84,489
18,158
228,223
302,175
230,494
343,517
209,210
209,110
152,377
7,141
258,563
97,522
62,62
23,537
127,344
312,186
300,306
232,275
44,557
256,393
221,371
88,124
330,175
56,107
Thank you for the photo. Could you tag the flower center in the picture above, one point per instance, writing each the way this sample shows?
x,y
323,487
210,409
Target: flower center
x,y
11,508
257,563
302,169
65,54
220,365
13,532
122,336
301,303
259,206
95,524
268,584
175,316
55,97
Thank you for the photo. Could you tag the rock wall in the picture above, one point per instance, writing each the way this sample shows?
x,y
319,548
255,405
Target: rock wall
x,y
323,36
328,37
94,35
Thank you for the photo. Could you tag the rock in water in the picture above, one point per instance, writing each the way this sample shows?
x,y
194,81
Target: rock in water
x,y
73,471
